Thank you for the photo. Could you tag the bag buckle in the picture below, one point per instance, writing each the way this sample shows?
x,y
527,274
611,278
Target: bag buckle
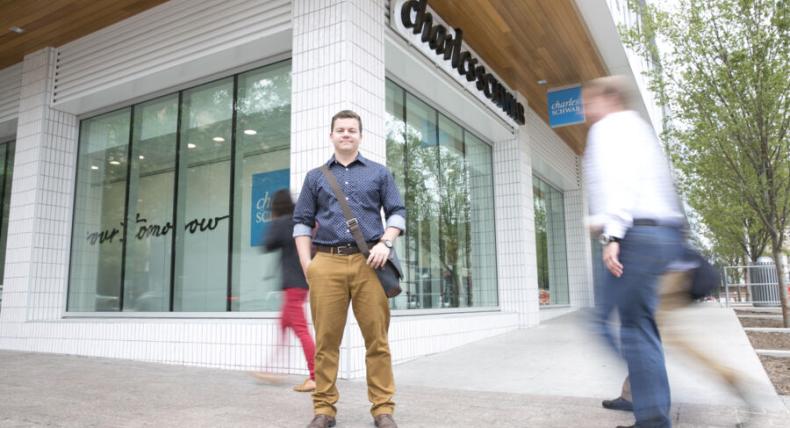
x,y
352,223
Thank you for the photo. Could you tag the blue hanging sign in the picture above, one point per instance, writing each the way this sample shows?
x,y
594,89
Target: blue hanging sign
x,y
565,106
264,185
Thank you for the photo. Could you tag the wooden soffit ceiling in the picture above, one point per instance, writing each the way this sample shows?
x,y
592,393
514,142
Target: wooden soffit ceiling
x,y
525,41
57,22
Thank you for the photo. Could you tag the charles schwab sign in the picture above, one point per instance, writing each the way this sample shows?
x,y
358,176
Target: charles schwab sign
x,y
414,20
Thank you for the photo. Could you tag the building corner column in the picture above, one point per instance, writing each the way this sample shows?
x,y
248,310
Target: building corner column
x,y
40,215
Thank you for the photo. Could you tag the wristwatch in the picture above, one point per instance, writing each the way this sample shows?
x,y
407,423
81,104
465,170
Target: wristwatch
x,y
387,243
605,239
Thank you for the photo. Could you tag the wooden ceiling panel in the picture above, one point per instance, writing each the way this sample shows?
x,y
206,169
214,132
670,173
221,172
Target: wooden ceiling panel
x,y
529,40
57,22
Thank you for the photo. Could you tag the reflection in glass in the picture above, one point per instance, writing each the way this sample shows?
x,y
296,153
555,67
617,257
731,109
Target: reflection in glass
x,y
479,159
422,205
454,227
550,244
150,214
203,210
445,175
6,175
397,163
262,165
95,278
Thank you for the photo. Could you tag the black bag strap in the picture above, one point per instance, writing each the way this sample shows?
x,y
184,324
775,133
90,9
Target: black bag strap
x,y
351,221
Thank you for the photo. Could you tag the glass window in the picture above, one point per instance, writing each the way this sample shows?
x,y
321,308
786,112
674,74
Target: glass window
x,y
97,243
454,216
445,175
550,244
482,237
149,238
183,172
6,175
262,166
203,210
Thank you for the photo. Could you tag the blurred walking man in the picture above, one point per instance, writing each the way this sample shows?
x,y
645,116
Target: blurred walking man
x,y
633,204
339,274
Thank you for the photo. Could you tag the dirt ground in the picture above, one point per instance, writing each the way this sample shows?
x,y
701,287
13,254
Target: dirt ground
x,y
778,370
761,322
762,340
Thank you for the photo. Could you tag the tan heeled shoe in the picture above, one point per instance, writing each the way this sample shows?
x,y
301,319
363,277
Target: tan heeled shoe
x,y
307,386
270,378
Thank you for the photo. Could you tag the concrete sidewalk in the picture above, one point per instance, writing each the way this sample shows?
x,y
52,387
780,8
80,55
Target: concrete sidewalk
x,y
550,376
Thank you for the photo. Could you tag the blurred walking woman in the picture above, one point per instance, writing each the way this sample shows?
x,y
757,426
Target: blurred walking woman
x,y
280,236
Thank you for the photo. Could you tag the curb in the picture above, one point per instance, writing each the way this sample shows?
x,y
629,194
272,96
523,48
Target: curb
x,y
766,330
773,353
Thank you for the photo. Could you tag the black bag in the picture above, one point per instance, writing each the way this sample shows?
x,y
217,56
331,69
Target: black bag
x,y
705,278
391,273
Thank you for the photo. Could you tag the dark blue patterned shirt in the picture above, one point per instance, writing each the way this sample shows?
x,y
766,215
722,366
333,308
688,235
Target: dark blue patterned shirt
x,y
369,187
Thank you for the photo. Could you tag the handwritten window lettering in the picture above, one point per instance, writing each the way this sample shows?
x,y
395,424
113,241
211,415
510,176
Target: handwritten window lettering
x,y
154,230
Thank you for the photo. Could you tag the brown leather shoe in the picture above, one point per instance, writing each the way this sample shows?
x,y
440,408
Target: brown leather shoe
x,y
385,420
322,421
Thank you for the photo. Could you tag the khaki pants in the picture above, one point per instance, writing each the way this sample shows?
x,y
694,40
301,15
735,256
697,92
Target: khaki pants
x,y
673,294
334,282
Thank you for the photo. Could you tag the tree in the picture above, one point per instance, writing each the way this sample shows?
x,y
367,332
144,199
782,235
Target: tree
x,y
726,80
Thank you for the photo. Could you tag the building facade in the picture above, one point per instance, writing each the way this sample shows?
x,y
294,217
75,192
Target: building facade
x,y
137,163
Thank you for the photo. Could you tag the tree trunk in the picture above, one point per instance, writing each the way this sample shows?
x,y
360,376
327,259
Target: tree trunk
x,y
782,290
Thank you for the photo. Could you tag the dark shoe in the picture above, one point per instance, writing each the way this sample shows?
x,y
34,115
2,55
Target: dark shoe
x,y
322,421
384,420
618,403
650,423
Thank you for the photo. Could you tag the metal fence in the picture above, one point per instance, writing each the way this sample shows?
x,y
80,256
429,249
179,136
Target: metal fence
x,y
755,284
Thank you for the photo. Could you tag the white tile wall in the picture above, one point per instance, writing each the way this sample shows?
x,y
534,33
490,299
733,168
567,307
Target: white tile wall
x,y
515,228
39,227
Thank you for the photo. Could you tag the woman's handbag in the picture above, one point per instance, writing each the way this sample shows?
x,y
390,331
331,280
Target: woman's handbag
x,y
391,273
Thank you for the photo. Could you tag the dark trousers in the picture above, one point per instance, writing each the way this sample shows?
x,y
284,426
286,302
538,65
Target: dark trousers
x,y
645,253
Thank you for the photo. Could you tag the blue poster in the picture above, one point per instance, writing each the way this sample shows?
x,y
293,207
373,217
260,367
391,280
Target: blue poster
x,y
264,185
565,106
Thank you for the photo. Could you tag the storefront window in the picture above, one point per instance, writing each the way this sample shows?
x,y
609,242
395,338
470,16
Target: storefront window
x,y
263,128
149,237
182,171
446,179
550,244
6,175
203,211
100,202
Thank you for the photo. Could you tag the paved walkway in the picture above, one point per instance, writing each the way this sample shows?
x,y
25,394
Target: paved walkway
x,y
549,376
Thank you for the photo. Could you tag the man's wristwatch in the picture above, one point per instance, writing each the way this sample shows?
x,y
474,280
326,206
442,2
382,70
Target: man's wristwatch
x,y
605,239
387,243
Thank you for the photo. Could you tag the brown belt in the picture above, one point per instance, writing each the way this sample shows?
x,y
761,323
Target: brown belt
x,y
342,250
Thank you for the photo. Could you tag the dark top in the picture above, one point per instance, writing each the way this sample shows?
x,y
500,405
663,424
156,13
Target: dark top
x,y
280,236
369,187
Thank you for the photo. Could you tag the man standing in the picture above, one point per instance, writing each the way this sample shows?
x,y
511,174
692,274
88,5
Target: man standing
x,y
339,273
633,204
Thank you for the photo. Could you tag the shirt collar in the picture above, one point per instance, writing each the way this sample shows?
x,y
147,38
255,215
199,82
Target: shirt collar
x,y
361,159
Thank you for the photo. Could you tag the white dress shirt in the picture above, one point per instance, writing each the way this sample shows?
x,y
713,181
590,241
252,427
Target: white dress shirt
x,y
627,175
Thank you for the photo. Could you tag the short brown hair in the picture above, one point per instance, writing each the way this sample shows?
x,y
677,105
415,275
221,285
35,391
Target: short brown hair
x,y
346,114
613,86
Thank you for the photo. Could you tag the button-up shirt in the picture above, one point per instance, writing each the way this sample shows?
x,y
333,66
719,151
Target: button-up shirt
x,y
368,186
627,175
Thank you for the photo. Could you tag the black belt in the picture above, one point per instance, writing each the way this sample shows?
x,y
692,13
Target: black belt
x,y
342,250
654,222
